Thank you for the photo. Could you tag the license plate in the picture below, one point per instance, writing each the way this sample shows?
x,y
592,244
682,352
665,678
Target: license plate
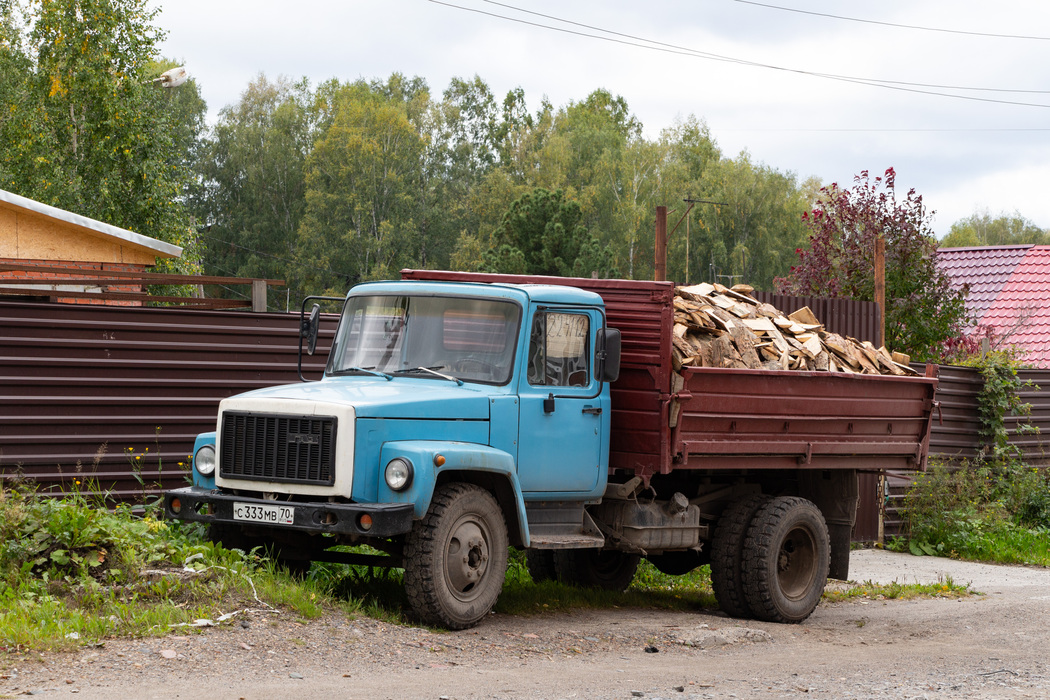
x,y
255,513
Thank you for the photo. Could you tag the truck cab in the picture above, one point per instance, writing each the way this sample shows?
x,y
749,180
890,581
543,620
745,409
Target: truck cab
x,y
452,419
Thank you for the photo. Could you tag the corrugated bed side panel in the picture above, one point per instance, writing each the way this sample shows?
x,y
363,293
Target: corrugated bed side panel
x,y
110,396
640,434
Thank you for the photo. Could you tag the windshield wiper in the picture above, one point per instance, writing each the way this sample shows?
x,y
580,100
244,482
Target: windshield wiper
x,y
428,370
368,370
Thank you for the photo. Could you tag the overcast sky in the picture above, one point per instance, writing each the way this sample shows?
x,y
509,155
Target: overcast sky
x,y
950,122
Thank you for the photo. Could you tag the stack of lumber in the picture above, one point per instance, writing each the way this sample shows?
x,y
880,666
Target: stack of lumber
x,y
716,326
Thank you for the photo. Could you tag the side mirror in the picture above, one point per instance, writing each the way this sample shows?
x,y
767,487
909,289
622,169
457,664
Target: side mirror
x,y
609,354
308,329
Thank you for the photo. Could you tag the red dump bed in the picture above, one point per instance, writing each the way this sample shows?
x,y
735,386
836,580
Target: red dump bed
x,y
738,418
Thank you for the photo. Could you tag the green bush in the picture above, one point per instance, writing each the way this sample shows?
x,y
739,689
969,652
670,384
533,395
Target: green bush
x,y
992,511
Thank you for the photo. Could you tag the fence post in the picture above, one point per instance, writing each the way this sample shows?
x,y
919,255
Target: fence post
x,y
259,296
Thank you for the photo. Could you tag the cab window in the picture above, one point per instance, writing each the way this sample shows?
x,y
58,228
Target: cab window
x,y
559,349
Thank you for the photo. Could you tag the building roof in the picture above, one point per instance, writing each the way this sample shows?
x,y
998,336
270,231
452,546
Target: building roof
x,y
1022,309
983,270
98,228
1009,290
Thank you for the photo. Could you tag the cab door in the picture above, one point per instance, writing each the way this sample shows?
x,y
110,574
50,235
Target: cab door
x,y
560,420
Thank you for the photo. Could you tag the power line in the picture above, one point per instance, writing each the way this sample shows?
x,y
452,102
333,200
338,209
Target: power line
x,y
892,24
704,54
651,45
700,53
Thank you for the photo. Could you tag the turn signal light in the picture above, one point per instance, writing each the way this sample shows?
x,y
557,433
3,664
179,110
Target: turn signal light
x,y
176,506
364,521
439,460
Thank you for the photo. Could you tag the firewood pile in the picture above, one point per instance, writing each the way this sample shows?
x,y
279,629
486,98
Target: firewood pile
x,y
715,326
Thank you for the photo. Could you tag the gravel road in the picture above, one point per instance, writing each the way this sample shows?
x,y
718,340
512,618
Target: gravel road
x,y
994,645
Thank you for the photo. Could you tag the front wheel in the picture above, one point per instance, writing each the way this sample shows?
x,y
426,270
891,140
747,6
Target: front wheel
x,y
786,558
607,569
456,557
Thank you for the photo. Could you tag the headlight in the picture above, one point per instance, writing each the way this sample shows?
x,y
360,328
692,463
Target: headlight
x,y
204,460
398,473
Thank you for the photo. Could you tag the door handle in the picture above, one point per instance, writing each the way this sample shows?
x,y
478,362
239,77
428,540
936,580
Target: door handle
x,y
593,410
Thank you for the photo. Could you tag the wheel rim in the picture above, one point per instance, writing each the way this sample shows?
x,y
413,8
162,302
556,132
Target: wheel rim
x,y
797,563
467,558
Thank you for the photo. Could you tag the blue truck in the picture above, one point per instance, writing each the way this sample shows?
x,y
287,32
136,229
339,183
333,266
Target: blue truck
x,y
460,414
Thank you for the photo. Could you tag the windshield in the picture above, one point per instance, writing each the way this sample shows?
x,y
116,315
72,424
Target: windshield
x,y
428,337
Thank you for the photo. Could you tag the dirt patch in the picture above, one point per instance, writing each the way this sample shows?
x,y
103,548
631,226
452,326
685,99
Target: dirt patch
x,y
988,646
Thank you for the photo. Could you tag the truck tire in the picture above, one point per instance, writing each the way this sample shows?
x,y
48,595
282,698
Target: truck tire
x,y
607,569
456,557
786,560
540,563
727,554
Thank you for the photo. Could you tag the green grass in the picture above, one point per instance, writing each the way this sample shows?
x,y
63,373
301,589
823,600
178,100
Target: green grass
x,y
944,588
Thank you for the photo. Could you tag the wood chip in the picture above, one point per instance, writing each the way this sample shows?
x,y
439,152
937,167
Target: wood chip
x,y
760,325
697,290
804,315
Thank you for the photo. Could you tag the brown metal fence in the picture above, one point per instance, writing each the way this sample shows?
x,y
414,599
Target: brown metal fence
x,y
847,317
956,439
111,395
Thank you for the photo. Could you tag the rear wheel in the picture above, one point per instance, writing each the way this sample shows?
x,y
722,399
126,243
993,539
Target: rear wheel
x,y
727,552
607,569
456,557
786,560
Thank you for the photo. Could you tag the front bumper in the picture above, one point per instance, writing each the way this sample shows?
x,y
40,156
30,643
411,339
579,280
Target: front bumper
x,y
213,506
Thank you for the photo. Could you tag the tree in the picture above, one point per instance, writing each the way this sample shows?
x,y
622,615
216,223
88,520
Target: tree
x,y
363,183
254,186
981,229
542,234
84,127
922,309
752,234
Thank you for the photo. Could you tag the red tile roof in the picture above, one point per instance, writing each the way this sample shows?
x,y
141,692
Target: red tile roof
x,y
984,270
1022,309
1009,290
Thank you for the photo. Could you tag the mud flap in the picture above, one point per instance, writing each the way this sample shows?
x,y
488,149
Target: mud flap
x,y
836,493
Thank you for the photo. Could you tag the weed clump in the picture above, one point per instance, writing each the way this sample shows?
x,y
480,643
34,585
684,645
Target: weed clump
x,y
75,571
988,511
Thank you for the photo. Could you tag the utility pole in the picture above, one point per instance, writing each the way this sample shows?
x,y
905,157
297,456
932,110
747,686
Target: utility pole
x,y
660,263
880,284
